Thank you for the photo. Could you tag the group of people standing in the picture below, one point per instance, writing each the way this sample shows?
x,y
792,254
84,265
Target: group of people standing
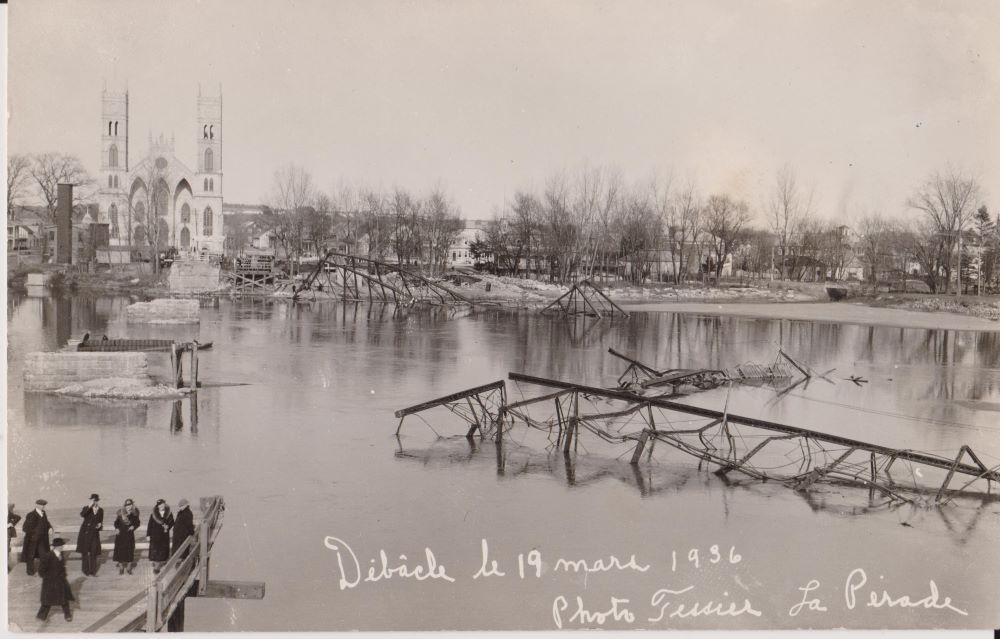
x,y
52,566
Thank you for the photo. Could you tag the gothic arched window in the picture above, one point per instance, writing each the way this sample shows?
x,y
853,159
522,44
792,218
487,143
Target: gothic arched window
x,y
110,181
109,128
211,184
116,181
113,218
209,160
185,214
160,201
204,132
211,131
116,129
205,185
113,156
206,221
140,211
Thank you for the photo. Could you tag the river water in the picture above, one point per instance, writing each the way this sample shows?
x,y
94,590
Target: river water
x,y
295,429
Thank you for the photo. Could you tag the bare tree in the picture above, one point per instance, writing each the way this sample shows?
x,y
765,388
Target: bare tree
x,y
292,190
988,235
561,232
49,170
525,223
875,239
639,227
375,223
18,173
948,202
725,220
756,251
405,212
318,222
684,225
154,199
921,242
442,227
787,208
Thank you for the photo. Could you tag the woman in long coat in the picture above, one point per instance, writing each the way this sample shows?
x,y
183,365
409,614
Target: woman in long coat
x,y
158,532
88,541
126,523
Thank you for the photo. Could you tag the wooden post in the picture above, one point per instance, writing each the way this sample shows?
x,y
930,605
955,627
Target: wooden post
x,y
153,606
203,535
193,381
176,621
175,365
640,445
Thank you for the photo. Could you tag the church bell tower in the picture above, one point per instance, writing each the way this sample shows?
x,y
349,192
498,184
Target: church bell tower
x,y
114,140
209,143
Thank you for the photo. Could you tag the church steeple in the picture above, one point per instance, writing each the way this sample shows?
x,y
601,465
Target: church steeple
x,y
114,138
210,142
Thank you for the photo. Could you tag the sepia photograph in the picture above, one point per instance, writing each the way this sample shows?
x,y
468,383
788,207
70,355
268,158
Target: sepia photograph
x,y
557,315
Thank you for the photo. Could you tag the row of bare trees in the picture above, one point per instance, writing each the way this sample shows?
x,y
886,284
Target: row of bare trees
x,y
594,223
384,225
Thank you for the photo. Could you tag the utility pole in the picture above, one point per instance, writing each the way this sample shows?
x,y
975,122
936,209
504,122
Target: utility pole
x,y
958,292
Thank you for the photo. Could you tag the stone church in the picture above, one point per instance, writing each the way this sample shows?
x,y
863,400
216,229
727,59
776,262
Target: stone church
x,y
158,200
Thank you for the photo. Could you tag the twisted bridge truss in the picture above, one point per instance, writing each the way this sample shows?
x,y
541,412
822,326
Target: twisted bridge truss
x,y
755,448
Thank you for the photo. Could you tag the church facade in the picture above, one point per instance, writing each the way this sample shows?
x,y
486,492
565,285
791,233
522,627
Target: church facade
x,y
157,200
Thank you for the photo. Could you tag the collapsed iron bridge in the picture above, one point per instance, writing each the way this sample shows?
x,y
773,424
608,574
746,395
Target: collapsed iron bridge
x,y
754,448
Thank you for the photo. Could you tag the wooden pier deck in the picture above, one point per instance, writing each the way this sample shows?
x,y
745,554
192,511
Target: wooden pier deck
x,y
109,602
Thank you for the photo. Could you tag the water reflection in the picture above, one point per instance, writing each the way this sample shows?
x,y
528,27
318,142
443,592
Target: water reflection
x,y
46,411
310,439
177,414
651,480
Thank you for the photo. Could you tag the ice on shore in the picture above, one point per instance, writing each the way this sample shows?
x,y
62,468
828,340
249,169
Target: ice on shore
x,y
120,388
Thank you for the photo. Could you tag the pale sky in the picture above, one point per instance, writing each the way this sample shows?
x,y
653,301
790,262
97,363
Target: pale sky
x,y
862,98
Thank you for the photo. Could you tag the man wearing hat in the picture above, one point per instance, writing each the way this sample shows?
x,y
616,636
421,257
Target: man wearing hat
x,y
55,588
36,535
183,526
88,541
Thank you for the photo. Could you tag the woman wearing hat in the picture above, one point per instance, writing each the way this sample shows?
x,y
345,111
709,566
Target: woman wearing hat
x,y
158,533
126,524
12,519
88,541
36,529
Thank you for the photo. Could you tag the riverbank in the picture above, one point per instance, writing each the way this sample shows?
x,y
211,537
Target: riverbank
x,y
837,312
804,301
133,281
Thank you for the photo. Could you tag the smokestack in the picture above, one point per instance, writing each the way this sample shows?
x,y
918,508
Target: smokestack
x,y
64,224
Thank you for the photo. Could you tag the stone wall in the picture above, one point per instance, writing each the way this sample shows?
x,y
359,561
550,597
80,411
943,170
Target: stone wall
x,y
193,277
52,371
164,311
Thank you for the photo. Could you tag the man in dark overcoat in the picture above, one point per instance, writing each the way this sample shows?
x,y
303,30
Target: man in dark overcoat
x,y
88,541
55,588
36,535
183,526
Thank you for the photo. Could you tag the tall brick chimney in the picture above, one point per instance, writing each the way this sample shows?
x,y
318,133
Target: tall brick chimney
x,y
64,225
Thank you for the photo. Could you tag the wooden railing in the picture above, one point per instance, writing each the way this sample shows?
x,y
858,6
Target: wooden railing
x,y
188,564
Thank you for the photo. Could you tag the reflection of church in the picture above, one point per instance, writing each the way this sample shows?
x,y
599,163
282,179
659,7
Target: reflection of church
x,y
159,200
